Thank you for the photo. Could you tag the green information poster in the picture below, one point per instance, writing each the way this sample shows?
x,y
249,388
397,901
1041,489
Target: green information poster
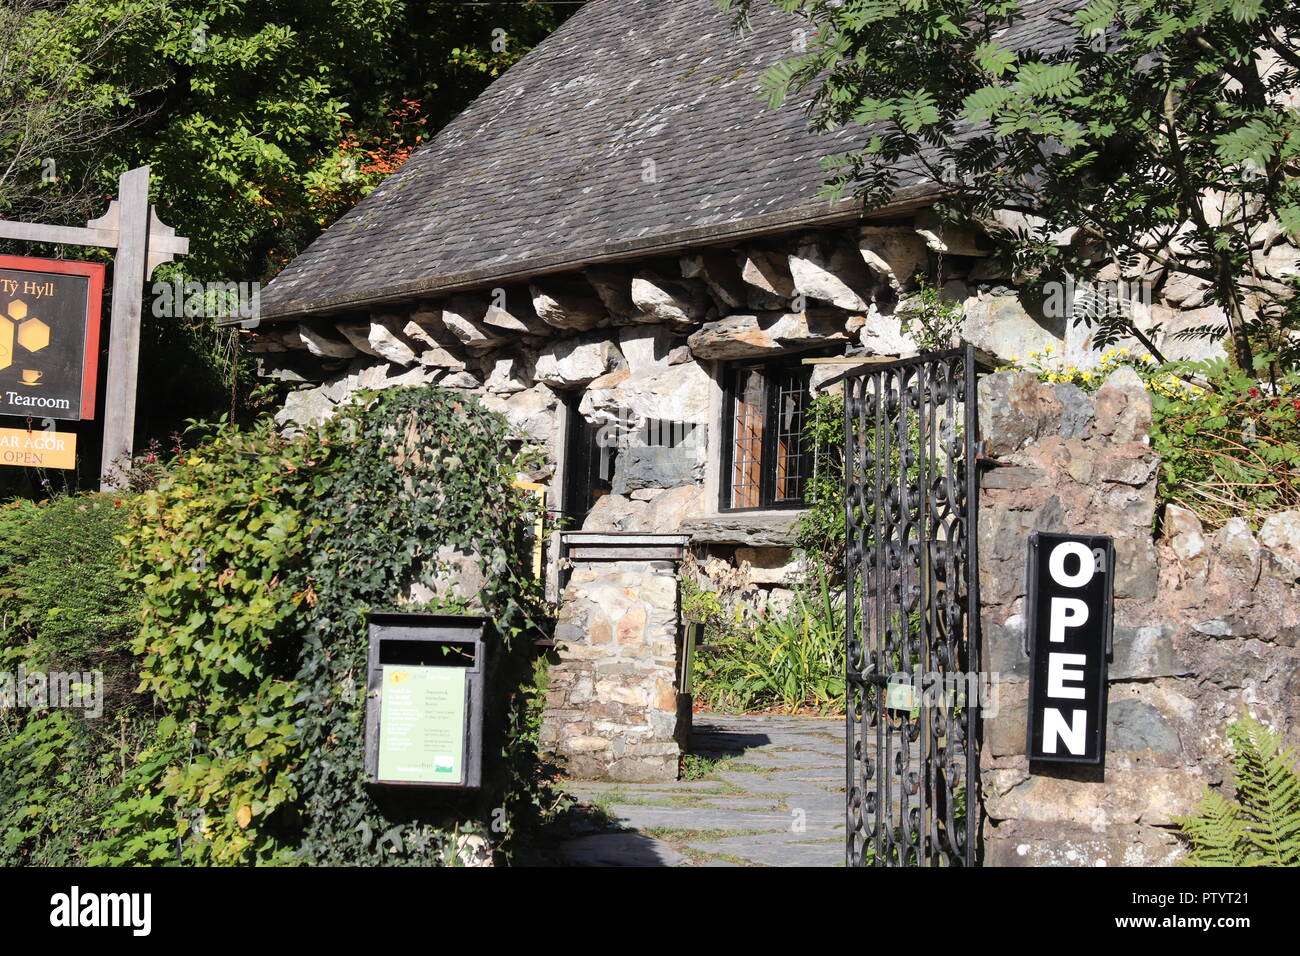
x,y
422,724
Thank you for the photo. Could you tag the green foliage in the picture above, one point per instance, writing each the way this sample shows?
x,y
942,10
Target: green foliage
x,y
59,777
787,659
63,607
261,121
1229,448
699,767
60,594
260,556
56,111
1119,126
1049,369
1229,443
932,322
819,532
425,471
1261,826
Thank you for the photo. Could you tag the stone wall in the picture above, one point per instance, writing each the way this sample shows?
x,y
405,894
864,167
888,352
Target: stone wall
x,y
640,338
1205,626
612,707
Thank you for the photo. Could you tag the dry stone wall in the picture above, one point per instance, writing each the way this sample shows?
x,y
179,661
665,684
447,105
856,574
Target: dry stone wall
x,y
635,341
1205,626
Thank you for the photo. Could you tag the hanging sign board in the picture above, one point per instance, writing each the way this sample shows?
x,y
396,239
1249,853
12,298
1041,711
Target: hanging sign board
x,y
422,724
49,337
1070,607
37,448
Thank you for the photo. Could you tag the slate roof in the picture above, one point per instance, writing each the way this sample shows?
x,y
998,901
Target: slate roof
x,y
546,170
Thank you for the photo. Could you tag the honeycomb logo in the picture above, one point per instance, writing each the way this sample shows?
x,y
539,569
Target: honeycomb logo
x,y
17,327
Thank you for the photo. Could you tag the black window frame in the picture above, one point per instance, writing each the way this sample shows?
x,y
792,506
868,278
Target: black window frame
x,y
773,370
583,483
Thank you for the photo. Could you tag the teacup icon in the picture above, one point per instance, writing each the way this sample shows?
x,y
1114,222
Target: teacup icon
x,y
32,376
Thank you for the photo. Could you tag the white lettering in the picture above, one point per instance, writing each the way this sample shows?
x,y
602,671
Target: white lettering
x,y
1072,734
1058,673
1056,564
37,401
1065,612
134,910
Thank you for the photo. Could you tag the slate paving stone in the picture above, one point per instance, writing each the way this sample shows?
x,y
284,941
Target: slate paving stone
x,y
792,812
751,840
765,783
744,803
606,786
797,759
620,849
785,854
640,817
820,804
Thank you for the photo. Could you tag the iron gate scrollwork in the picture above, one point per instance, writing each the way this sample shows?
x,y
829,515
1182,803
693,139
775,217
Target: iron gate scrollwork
x,y
912,612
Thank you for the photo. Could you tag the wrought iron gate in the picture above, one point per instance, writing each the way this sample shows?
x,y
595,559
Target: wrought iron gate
x,y
913,611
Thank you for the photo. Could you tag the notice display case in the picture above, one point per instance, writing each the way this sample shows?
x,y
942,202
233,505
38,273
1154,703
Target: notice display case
x,y
424,700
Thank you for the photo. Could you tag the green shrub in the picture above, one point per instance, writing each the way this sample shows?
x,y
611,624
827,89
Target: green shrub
x,y
1232,447
260,556
61,596
63,607
788,660
819,532
60,775
1261,827
794,658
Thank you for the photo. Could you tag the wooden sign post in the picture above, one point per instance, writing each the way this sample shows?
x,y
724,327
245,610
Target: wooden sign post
x,y
142,243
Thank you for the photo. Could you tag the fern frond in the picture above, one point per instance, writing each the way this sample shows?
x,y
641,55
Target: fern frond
x,y
1217,833
1268,791
1261,827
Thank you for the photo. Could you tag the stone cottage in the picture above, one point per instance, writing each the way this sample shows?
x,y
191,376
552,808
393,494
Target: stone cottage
x,y
622,250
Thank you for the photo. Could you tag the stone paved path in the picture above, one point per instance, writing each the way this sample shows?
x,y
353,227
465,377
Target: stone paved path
x,y
771,793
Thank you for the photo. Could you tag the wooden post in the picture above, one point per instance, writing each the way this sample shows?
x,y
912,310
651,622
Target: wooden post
x,y
142,242
124,327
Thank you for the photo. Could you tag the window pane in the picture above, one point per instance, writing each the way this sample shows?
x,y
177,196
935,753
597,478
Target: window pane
x,y
792,397
747,452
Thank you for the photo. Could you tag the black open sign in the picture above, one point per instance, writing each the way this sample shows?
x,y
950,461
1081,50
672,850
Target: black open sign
x,y
1071,604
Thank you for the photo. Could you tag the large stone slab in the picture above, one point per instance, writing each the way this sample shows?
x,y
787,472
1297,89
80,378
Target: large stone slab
x,y
324,341
576,361
831,271
895,253
766,276
680,303
767,333
827,853
567,303
776,530
640,817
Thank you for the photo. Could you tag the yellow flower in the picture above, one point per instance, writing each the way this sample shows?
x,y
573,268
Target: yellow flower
x,y
1047,350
